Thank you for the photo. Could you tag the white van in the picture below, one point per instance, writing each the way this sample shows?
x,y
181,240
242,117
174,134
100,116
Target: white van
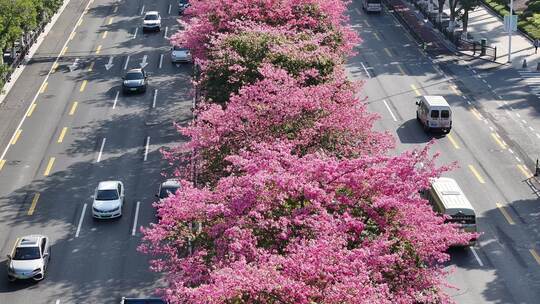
x,y
446,197
434,113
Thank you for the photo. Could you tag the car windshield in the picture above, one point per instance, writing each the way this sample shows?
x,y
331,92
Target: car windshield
x,y
107,195
134,76
183,1
179,48
151,17
166,191
26,253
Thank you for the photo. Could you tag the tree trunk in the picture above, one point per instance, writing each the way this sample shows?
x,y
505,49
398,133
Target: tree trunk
x,y
441,8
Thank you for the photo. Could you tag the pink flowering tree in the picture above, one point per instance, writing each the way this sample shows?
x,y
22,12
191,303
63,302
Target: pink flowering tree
x,y
311,229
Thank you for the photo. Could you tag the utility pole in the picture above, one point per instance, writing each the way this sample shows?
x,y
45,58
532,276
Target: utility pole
x,y
510,30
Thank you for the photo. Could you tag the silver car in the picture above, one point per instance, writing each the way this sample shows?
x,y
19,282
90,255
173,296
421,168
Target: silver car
x,y
29,258
108,200
152,21
180,54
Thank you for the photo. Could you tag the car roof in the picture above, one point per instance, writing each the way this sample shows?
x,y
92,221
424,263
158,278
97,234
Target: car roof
x,y
139,70
108,185
29,241
436,101
172,182
152,13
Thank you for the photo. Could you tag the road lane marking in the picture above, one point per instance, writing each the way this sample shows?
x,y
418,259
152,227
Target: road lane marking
x,y
101,150
476,174
64,50
476,113
62,135
415,89
455,90
453,141
57,302
33,205
116,99
134,229
147,146
476,257
169,10
165,33
535,255
366,22
49,166
98,50
17,135
389,110
505,214
525,171
79,22
91,66
104,35
54,67
387,51
376,36
111,18
2,162
126,63
495,137
73,108
154,100
160,60
43,87
142,10
32,108
81,220
401,69
135,34
71,36
83,86
365,69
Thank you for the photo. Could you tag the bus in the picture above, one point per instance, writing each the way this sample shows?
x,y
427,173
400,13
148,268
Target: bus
x,y
446,197
372,6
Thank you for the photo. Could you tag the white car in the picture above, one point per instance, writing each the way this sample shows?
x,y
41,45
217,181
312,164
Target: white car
x,y
152,21
29,258
180,54
108,200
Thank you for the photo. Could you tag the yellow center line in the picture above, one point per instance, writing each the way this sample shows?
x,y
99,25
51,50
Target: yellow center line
x,y
401,69
2,162
54,67
17,135
111,18
455,90
476,113
376,36
83,86
43,87
453,141
49,166
104,35
535,255
476,174
62,134
98,49
505,214
91,66
495,137
415,89
72,35
32,107
387,51
79,22
524,170
73,108
64,50
34,203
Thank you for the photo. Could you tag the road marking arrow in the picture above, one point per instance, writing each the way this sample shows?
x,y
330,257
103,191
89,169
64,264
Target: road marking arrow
x,y
144,63
110,63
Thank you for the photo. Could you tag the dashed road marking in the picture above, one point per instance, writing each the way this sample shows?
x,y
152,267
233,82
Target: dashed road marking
x,y
524,171
477,174
453,141
33,205
49,166
415,89
389,110
505,214
73,108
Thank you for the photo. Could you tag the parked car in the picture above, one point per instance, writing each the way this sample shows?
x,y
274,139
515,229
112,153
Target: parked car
x,y
142,301
108,200
167,188
152,21
135,81
180,54
29,259
182,6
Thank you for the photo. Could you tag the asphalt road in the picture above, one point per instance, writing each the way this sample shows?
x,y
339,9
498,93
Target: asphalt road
x,y
80,129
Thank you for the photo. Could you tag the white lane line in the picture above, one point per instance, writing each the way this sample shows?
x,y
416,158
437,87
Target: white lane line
x,y
531,128
57,302
135,34
169,10
489,86
524,121
510,150
81,220
500,97
165,33
474,71
517,158
133,230
154,100
30,106
389,110
101,150
160,60
468,102
476,257
142,10
491,128
517,114
365,70
126,63
116,99
147,146
537,135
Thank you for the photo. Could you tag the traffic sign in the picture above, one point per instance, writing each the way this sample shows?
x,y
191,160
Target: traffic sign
x,y
510,22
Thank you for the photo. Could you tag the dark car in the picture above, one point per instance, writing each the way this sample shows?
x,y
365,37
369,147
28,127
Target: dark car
x,y
182,6
142,301
134,81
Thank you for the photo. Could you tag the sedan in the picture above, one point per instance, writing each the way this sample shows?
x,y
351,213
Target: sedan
x,y
180,54
152,21
134,81
29,258
108,200
182,6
